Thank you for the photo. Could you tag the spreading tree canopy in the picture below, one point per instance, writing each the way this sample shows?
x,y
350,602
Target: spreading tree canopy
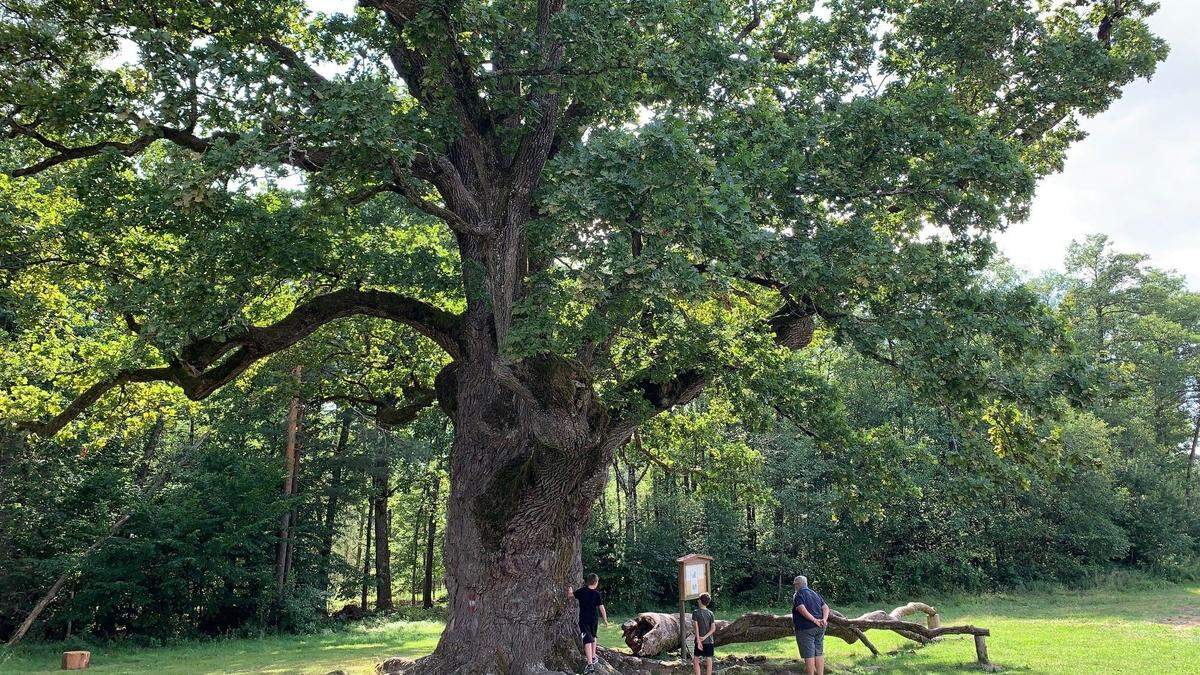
x,y
576,215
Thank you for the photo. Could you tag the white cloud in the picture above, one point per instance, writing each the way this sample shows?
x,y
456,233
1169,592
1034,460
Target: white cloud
x,y
1136,177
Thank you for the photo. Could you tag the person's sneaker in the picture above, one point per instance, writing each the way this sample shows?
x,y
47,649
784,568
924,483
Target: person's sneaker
x,y
589,667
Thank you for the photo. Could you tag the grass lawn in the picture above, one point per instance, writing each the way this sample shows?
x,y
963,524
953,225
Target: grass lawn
x,y
1154,630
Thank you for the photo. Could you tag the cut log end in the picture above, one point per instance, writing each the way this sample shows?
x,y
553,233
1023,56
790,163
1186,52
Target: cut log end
x,y
76,660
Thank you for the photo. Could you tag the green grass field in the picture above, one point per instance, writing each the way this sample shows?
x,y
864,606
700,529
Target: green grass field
x,y
1154,630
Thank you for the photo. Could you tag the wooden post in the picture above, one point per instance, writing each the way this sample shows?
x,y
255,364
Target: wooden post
x,y
981,650
682,634
933,621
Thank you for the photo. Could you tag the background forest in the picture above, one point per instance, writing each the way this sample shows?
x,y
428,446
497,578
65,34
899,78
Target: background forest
x,y
294,492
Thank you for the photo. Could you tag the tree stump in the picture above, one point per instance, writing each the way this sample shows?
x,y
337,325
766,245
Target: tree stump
x,y
76,660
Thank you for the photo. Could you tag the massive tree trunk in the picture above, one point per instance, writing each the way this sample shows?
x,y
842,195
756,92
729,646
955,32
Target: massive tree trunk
x,y
526,466
532,443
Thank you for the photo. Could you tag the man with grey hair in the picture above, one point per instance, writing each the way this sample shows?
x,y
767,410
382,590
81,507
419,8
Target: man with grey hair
x,y
807,605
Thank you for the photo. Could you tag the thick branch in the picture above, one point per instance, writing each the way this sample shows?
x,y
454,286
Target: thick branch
x,y
93,394
293,60
207,364
792,326
67,154
306,159
447,184
387,413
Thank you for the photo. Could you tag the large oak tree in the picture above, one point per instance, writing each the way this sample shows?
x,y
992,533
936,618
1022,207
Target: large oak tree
x,y
588,211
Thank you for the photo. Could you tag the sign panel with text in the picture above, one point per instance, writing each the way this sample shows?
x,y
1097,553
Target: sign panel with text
x,y
695,580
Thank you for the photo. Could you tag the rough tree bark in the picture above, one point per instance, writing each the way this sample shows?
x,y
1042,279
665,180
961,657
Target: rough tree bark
x,y
527,464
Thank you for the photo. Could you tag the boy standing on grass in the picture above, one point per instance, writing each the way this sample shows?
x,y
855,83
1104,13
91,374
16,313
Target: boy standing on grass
x,y
704,624
591,604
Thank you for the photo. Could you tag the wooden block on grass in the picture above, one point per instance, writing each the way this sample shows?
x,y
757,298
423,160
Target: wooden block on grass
x,y
76,660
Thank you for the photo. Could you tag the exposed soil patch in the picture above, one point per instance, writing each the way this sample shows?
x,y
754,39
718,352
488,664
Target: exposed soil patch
x,y
1188,618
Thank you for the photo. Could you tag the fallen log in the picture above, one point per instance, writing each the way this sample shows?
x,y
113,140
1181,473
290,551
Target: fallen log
x,y
637,665
652,633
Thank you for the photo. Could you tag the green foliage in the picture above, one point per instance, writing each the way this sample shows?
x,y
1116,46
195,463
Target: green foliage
x,y
646,184
848,469
198,556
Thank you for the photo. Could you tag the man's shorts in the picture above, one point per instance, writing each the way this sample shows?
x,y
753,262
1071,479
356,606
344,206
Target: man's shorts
x,y
588,632
811,642
705,650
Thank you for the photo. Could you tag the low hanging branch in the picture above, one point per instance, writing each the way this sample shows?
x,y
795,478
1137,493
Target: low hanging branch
x,y
209,363
651,633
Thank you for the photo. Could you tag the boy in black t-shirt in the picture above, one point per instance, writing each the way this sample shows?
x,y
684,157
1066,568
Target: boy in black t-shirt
x,y
704,624
591,604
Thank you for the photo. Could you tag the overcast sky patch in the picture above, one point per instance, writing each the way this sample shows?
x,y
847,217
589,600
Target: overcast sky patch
x,y
1136,177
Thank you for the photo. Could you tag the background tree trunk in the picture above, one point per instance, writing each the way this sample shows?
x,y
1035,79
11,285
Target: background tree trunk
x,y
366,568
150,449
289,483
430,536
751,529
418,523
1187,480
331,502
383,552
631,500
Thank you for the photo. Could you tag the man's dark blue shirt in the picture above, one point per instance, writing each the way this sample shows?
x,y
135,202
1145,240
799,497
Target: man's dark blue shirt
x,y
812,601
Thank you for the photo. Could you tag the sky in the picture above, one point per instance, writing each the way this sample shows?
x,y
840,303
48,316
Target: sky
x,y
1136,177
